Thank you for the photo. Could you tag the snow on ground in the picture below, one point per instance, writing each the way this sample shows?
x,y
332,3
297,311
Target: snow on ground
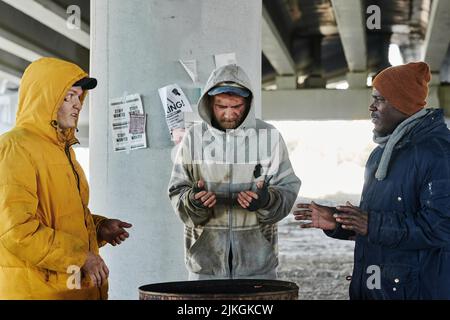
x,y
318,264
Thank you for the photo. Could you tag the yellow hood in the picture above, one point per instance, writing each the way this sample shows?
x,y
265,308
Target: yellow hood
x,y
42,90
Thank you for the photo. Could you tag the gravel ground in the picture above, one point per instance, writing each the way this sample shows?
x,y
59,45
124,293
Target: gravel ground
x,y
317,263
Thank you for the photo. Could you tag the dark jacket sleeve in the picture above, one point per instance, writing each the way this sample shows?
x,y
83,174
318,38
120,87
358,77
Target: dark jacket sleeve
x,y
340,233
429,227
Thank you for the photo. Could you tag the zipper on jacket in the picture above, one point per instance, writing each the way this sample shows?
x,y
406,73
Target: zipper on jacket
x,y
77,177
230,222
229,259
47,275
67,151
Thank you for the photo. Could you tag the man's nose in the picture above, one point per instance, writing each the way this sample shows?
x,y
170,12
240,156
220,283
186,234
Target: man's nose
x,y
372,107
230,114
77,105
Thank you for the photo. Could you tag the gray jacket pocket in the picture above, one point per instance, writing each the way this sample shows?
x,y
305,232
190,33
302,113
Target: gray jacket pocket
x,y
253,254
208,253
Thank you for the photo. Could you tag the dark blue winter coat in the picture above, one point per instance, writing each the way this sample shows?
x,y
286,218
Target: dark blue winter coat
x,y
409,219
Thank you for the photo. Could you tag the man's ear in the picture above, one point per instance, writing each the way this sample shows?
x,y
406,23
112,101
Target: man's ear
x,y
248,101
210,101
248,104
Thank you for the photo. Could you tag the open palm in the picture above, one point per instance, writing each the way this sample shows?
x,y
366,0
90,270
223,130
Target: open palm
x,y
113,232
319,216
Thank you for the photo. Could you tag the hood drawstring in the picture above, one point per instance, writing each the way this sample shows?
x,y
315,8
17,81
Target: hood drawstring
x,y
61,134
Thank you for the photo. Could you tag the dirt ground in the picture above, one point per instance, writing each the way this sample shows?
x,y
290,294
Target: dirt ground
x,y
318,264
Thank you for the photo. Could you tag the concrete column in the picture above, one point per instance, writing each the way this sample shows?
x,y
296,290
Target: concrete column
x,y
135,47
357,80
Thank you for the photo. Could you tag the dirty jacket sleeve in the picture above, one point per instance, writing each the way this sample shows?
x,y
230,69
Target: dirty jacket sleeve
x,y
21,232
430,226
180,187
283,187
98,221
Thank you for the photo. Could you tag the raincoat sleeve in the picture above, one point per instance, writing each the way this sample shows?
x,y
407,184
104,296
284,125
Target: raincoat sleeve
x,y
98,220
20,231
426,229
283,187
180,188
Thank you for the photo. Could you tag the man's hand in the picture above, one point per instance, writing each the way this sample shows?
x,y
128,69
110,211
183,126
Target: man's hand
x,y
96,269
113,232
202,198
353,218
320,216
253,201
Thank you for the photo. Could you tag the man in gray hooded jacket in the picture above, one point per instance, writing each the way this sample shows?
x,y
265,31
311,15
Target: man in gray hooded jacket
x,y
231,183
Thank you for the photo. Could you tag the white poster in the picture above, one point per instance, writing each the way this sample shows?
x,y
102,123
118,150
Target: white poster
x,y
128,123
191,68
175,103
225,59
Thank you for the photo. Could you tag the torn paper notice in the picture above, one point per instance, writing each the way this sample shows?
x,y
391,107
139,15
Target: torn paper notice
x,y
224,59
175,103
177,135
191,68
128,123
137,123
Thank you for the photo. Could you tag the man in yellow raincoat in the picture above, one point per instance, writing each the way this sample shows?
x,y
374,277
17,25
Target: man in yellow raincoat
x,y
49,240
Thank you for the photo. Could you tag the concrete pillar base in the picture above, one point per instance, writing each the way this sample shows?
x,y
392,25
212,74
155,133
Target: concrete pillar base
x,y
357,80
314,81
286,82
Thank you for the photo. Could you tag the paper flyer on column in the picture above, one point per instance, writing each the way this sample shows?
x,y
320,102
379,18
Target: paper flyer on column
x,y
128,123
175,103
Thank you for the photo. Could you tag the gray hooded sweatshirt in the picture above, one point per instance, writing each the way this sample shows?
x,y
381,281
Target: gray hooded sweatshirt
x,y
228,241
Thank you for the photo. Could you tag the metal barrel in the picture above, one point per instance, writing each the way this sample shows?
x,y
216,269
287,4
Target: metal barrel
x,y
238,289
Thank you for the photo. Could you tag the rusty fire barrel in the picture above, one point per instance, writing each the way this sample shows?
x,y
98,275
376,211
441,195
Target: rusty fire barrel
x,y
239,289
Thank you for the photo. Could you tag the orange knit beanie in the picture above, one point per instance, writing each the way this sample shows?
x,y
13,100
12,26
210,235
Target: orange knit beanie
x,y
405,86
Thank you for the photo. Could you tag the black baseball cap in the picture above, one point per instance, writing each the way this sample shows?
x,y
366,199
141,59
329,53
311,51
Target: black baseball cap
x,y
86,83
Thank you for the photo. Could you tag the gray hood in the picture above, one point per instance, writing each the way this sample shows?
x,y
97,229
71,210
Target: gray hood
x,y
227,73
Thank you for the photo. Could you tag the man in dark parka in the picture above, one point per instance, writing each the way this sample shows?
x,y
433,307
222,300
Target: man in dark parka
x,y
402,225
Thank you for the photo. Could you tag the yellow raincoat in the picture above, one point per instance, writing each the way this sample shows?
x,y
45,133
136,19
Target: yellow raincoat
x,y
46,228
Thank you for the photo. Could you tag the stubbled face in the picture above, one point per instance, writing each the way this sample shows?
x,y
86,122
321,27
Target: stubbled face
x,y
384,116
70,109
229,111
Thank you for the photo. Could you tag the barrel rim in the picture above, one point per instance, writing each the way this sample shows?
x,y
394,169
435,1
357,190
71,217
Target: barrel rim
x,y
218,295
293,288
